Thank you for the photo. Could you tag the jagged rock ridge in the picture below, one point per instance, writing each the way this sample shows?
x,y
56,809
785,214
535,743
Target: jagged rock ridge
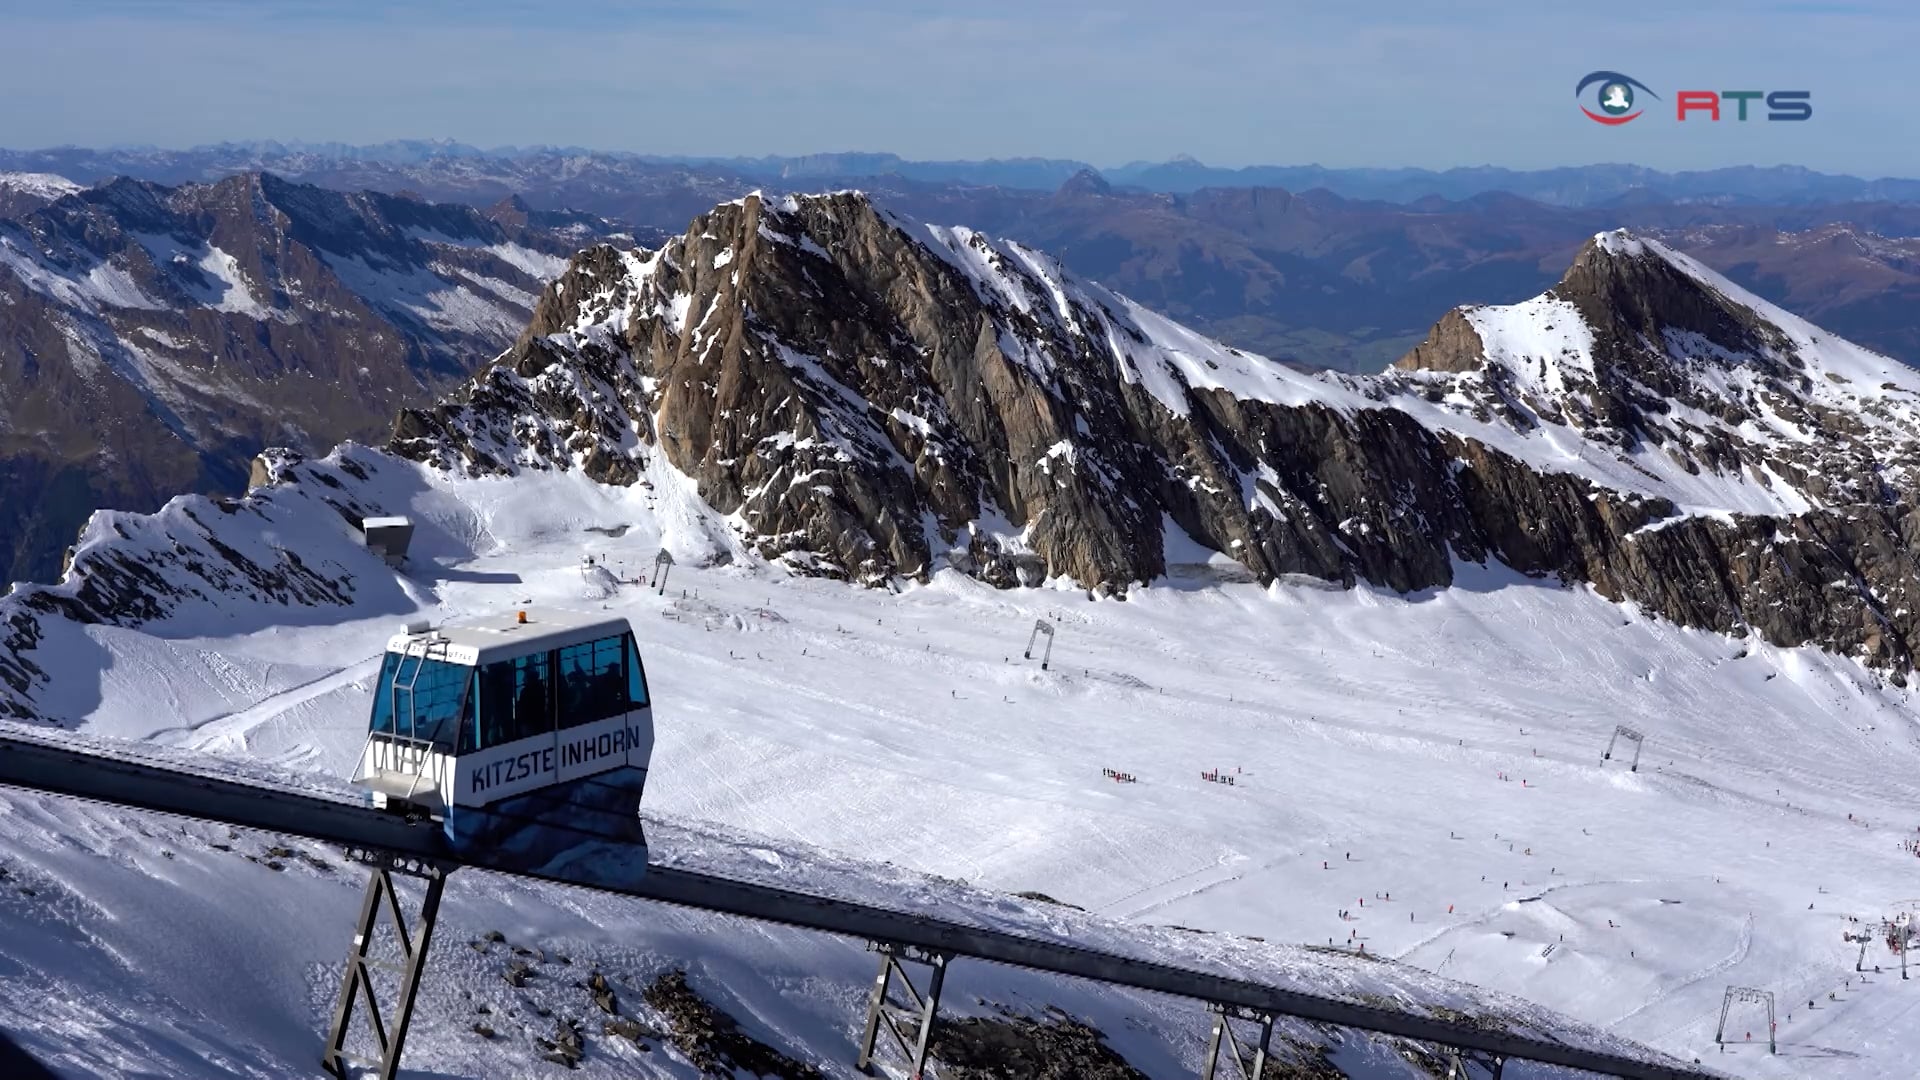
x,y
871,397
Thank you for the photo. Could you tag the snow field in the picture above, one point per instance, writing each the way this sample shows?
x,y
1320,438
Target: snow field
x,y
906,728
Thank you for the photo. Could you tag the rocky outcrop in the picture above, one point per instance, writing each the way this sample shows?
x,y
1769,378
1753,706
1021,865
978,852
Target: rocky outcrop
x,y
290,552
712,1040
1059,1047
869,397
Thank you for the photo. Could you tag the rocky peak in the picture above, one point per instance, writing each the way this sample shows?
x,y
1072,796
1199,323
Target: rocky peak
x,y
1631,299
870,397
512,210
1631,292
1671,375
866,392
1084,183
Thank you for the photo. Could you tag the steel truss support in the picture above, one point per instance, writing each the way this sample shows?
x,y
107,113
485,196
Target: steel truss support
x,y
1223,1032
920,1012
357,983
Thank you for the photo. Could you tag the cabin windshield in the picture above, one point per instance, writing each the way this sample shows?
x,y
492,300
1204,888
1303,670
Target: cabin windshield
x,y
431,709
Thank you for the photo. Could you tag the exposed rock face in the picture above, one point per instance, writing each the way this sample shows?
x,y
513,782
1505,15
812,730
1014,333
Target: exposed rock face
x,y
153,339
714,1041
1004,1047
871,397
1795,450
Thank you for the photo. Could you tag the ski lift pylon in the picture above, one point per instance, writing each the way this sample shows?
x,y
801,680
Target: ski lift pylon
x,y
1040,626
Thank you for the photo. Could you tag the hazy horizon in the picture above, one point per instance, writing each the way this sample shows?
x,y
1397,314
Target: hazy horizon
x,y
1238,82
507,149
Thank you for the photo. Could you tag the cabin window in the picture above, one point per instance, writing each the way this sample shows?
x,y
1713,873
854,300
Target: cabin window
x,y
532,698
509,700
420,699
516,700
593,681
496,703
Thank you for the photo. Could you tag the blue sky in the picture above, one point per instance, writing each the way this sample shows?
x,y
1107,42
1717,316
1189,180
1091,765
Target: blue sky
x,y
1231,82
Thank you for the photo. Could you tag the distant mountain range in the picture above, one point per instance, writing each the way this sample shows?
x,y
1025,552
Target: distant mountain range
x,y
496,172
1330,268
153,338
255,293
1576,185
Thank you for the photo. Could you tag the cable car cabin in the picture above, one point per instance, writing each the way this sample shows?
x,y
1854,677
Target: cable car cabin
x,y
526,734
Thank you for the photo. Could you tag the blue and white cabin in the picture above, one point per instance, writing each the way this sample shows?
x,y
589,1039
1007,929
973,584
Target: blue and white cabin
x,y
527,734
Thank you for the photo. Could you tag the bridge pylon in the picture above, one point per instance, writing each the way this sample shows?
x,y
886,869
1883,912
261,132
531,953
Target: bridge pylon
x,y
1249,1060
405,961
919,1013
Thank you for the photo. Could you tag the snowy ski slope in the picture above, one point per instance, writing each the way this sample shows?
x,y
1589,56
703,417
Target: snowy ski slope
x,y
906,728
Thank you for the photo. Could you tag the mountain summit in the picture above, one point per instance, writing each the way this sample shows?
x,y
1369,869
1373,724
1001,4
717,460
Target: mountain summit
x,y
1680,383
867,396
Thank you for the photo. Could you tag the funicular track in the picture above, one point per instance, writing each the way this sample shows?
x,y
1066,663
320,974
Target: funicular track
x,y
55,764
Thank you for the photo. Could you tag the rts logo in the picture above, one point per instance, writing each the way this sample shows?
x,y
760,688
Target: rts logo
x,y
1615,99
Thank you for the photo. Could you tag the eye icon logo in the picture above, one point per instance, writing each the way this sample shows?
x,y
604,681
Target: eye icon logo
x,y
1614,96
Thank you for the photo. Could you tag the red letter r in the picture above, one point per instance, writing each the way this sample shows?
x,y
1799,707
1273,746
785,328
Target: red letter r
x,y
1687,100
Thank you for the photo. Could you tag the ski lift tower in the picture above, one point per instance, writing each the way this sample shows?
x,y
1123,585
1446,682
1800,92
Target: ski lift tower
x,y
1622,731
1744,995
1040,626
1863,939
525,738
1902,932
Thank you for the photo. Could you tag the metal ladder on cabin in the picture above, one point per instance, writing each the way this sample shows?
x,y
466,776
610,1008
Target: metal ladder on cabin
x,y
409,752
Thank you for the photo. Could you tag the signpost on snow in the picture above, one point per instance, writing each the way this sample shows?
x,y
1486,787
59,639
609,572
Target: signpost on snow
x,y
1622,731
1040,626
662,563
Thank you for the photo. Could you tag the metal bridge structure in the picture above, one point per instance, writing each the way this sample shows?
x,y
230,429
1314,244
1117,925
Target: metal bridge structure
x,y
53,763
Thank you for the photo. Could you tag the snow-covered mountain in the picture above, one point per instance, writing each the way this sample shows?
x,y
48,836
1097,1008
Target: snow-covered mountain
x,y
23,191
871,397
152,338
805,391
